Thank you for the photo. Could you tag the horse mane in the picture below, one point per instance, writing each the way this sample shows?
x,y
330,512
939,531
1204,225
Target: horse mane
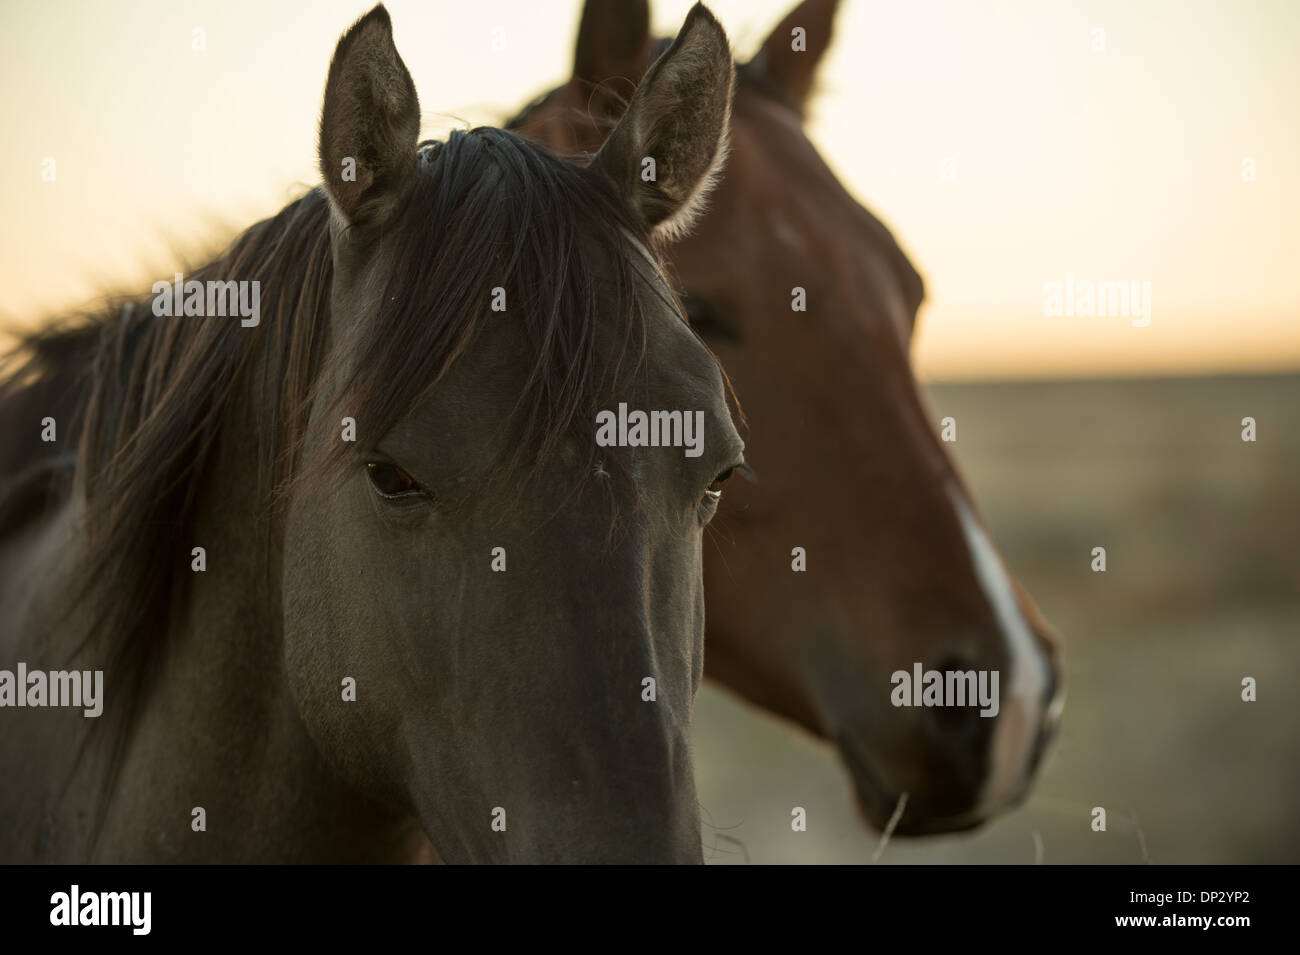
x,y
40,378
151,395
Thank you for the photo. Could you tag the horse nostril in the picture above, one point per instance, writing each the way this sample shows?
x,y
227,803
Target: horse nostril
x,y
957,720
954,724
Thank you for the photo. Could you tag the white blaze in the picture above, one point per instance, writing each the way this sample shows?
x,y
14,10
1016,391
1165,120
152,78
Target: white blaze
x,y
1021,716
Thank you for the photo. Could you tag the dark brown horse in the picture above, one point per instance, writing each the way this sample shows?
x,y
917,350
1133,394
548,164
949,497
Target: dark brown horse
x,y
900,569
352,573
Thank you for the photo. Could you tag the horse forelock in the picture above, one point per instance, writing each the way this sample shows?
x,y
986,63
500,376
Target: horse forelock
x,y
494,213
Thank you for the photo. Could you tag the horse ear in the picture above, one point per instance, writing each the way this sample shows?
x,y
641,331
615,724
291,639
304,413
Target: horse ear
x,y
668,146
613,44
791,54
370,124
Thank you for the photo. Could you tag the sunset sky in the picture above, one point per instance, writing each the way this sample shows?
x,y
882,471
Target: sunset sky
x,y
1003,150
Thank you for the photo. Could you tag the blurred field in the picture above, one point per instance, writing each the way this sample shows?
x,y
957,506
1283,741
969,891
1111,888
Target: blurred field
x,y
1202,533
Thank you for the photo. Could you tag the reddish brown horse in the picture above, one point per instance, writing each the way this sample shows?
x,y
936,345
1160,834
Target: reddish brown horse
x,y
900,569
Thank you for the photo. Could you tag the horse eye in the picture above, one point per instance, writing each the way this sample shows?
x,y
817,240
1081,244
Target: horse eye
x,y
708,319
714,493
390,480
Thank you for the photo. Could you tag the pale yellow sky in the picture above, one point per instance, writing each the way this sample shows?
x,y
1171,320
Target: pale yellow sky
x,y
1004,151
